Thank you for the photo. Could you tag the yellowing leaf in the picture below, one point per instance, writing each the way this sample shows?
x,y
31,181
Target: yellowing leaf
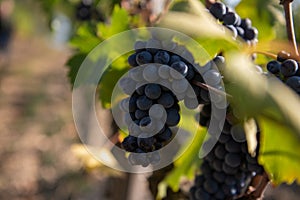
x,y
279,152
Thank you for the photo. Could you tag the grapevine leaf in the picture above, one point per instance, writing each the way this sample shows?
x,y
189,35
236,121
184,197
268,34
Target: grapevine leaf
x,y
279,152
262,17
74,64
187,164
109,80
85,39
270,99
279,120
119,22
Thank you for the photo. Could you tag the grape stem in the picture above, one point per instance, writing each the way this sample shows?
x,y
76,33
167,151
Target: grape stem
x,y
287,5
274,56
257,188
207,87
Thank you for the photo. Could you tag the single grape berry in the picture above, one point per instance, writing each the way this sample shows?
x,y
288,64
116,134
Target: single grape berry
x,y
274,67
165,135
132,60
230,18
174,58
144,103
246,23
240,31
143,57
173,117
218,9
251,33
289,67
139,114
152,91
130,143
166,100
145,121
294,83
233,159
146,143
180,67
84,11
211,186
162,57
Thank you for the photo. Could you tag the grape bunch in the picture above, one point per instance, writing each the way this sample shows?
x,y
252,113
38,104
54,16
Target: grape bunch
x,y
228,168
158,80
149,106
85,11
232,21
287,70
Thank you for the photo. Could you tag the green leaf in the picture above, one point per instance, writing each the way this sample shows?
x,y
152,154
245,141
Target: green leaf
x,y
277,108
188,163
110,78
279,152
120,21
261,15
85,39
74,64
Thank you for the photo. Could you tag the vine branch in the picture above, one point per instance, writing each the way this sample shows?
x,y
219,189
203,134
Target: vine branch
x,y
287,5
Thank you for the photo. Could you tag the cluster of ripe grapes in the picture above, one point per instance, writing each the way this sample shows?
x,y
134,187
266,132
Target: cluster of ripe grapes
x,y
287,70
85,11
163,73
228,168
158,80
231,20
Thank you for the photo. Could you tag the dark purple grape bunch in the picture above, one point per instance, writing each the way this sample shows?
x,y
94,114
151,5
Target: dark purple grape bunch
x,y
228,168
157,81
86,11
287,70
231,20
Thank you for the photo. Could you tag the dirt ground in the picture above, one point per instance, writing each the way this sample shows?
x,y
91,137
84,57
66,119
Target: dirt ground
x,y
36,128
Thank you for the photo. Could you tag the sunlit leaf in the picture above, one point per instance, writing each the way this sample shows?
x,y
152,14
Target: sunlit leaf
x,y
261,15
187,164
119,22
279,152
85,39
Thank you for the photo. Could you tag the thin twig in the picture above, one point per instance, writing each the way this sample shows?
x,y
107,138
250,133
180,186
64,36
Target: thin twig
x,y
257,188
287,5
260,183
272,55
208,87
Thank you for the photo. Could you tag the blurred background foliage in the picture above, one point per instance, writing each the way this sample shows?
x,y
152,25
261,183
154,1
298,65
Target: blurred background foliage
x,y
60,26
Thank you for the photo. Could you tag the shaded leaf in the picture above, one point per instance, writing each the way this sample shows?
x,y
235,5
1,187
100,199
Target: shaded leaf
x,y
74,64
